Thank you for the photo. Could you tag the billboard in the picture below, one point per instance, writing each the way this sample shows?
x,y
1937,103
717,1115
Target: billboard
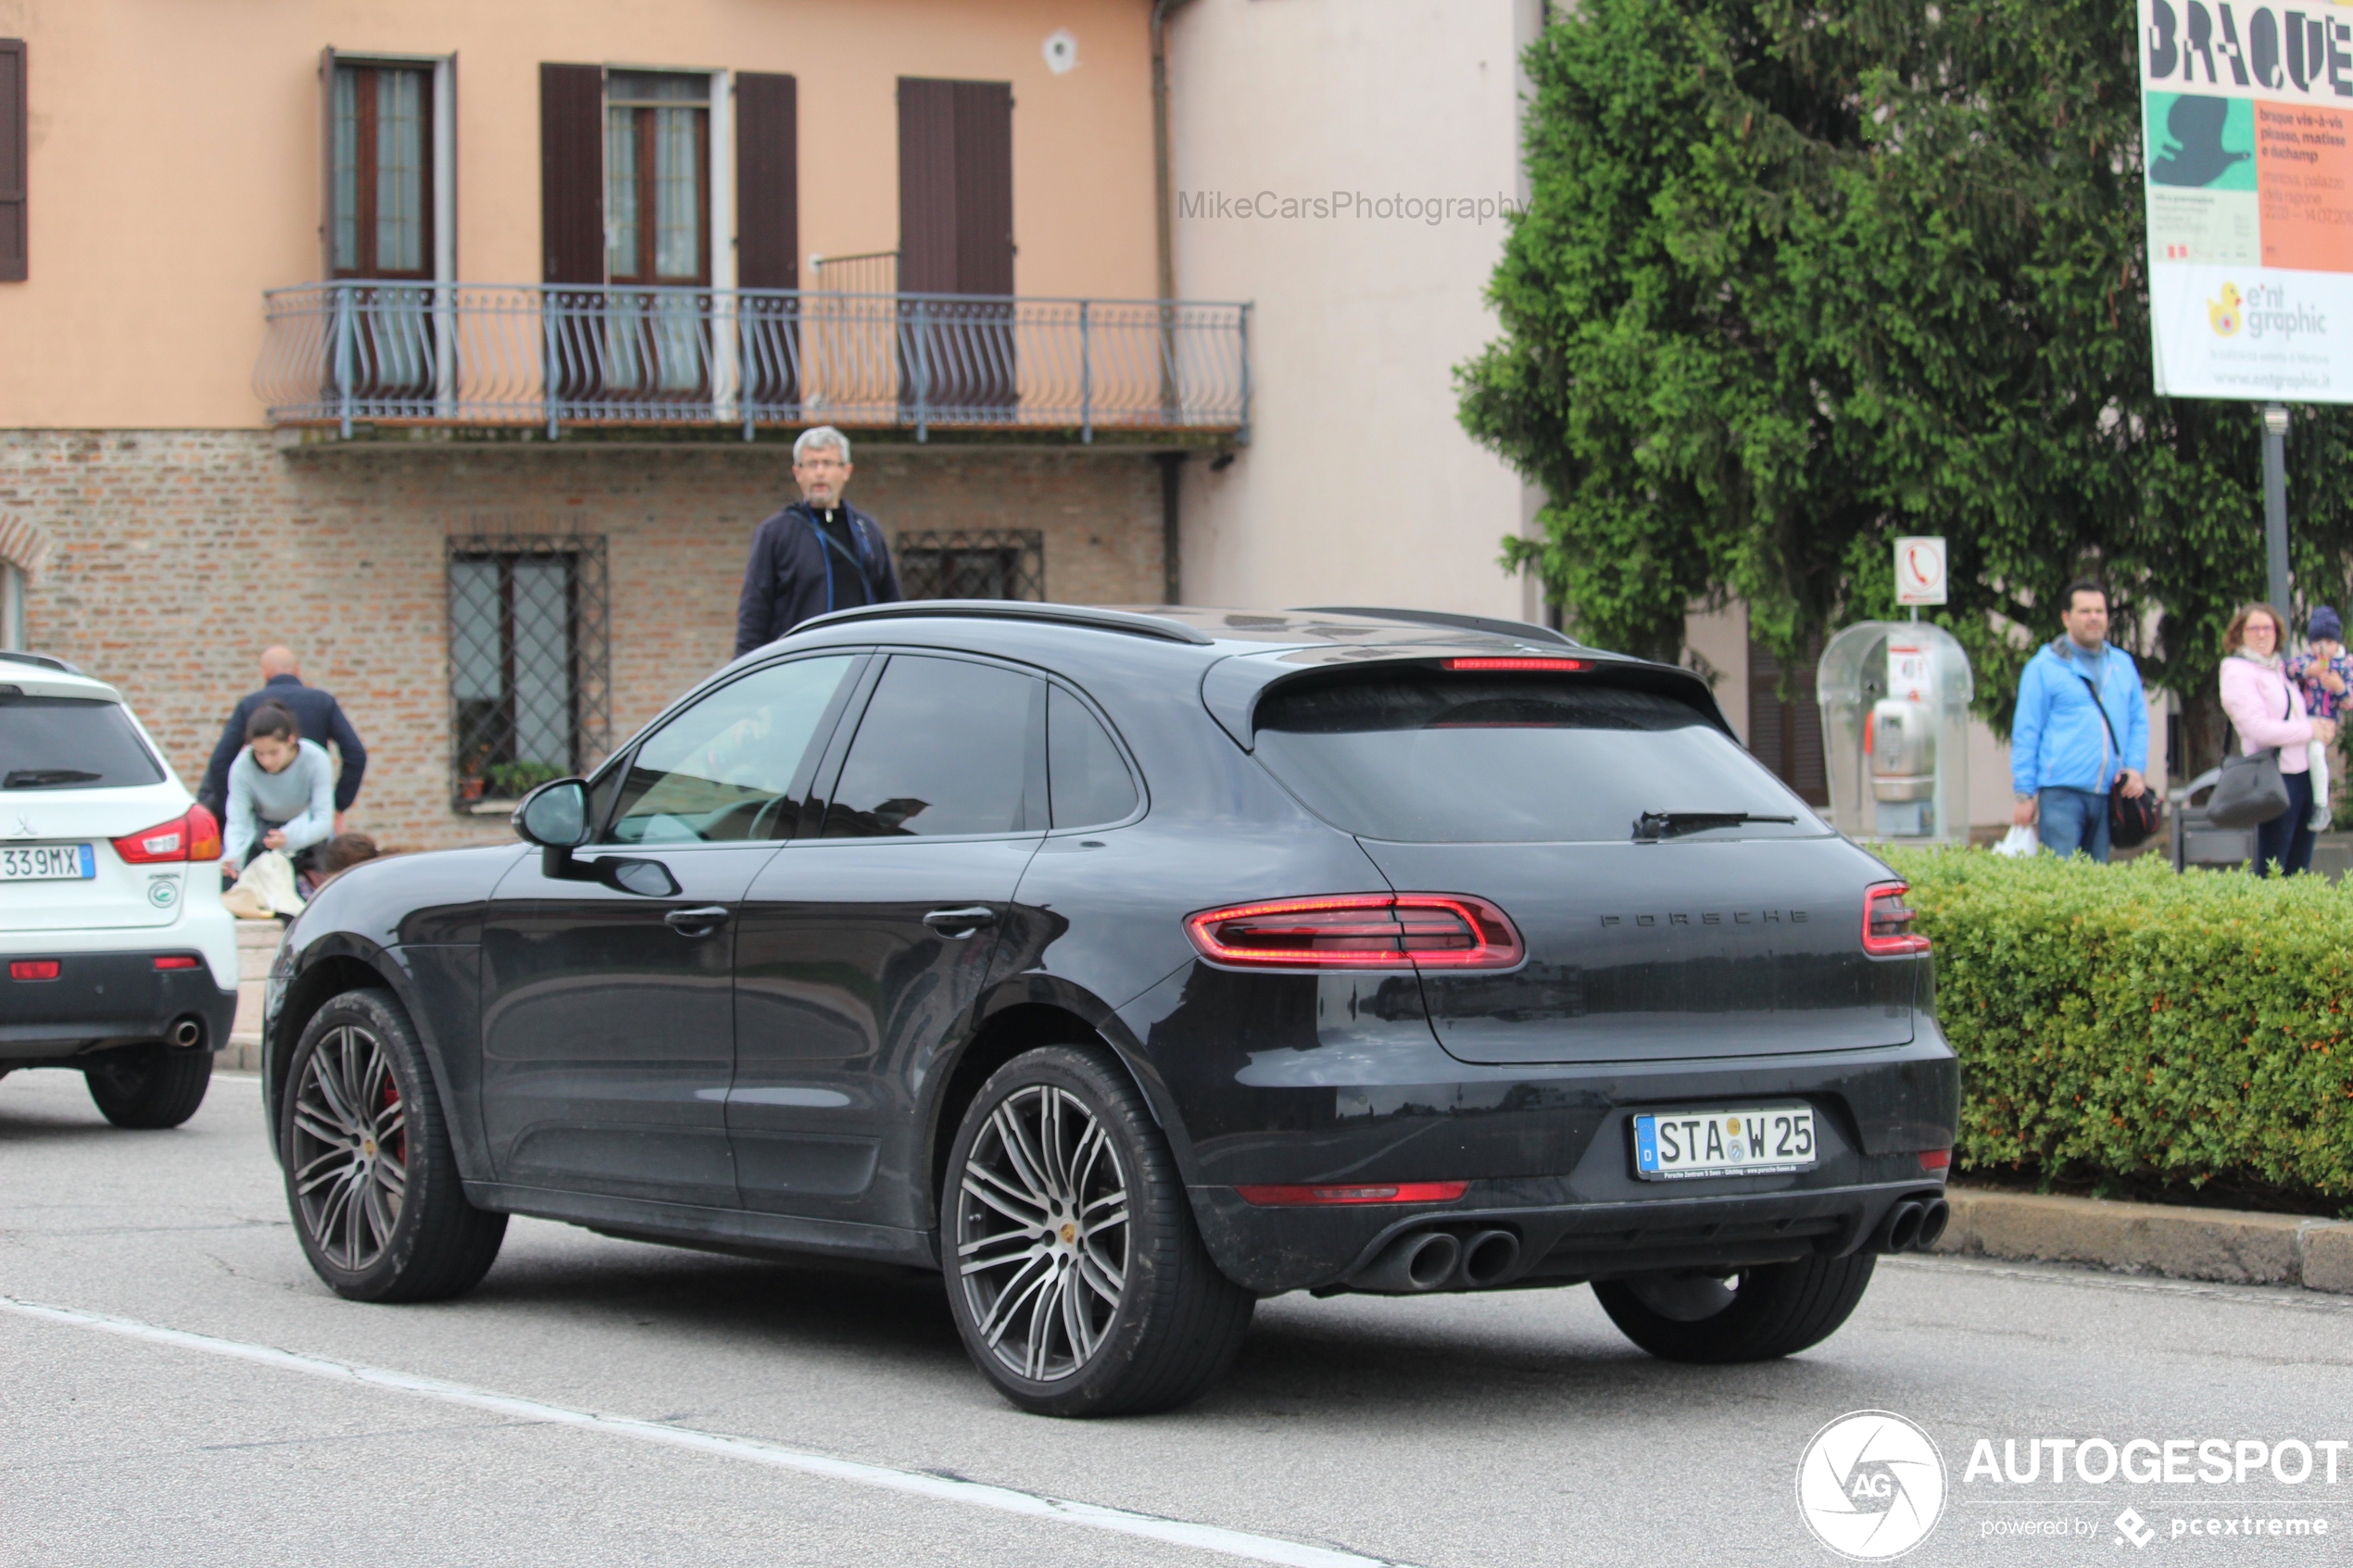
x,y
2247,115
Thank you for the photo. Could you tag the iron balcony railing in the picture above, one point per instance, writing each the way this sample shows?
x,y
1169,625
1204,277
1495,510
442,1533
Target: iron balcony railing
x,y
557,356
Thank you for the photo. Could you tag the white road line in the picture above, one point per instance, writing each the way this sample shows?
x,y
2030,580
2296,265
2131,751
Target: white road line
x,y
1004,1499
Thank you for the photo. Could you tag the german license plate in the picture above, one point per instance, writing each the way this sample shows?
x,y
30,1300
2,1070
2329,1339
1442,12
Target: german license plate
x,y
48,862
1679,1145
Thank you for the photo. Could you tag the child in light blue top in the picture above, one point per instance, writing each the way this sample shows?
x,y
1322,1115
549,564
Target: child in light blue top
x,y
281,791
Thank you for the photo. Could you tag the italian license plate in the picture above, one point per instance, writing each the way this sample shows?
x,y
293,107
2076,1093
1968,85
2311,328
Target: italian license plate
x,y
1677,1145
48,862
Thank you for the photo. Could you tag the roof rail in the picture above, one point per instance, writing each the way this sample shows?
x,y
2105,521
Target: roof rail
x,y
1124,620
43,659
1526,630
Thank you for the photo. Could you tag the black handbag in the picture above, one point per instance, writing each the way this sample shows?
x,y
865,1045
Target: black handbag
x,y
2131,819
2250,791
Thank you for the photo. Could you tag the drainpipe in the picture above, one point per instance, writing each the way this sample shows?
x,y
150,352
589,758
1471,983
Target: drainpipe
x,y
1172,464
1160,9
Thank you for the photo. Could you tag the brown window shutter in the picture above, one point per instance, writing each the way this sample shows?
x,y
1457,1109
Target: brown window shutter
x,y
767,181
571,173
955,186
926,186
984,187
14,252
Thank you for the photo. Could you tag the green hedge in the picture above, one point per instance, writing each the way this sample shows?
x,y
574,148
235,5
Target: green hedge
x,y
2126,1022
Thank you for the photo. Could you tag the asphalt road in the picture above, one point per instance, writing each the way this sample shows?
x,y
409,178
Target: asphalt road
x,y
199,1398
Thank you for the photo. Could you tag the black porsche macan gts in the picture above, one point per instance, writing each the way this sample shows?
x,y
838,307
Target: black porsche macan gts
x,y
1127,966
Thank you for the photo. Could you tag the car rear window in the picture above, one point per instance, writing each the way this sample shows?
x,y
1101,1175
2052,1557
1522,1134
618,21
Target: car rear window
x,y
1439,758
71,742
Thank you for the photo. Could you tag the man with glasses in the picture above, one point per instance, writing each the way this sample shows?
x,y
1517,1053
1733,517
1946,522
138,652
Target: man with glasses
x,y
819,554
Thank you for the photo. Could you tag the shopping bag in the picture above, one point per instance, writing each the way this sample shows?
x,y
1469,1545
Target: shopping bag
x,y
265,890
2019,842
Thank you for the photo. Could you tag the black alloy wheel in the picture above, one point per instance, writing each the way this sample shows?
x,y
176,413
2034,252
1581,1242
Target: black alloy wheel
x,y
1755,1315
150,1087
371,1179
1075,1272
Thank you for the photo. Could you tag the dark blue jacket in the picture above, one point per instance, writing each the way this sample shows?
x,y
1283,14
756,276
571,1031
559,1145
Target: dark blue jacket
x,y
790,576
321,719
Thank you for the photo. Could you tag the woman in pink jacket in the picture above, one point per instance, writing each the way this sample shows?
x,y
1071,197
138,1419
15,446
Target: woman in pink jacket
x,y
2268,711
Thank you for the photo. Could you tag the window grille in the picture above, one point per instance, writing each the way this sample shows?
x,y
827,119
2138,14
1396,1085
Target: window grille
x,y
530,666
980,564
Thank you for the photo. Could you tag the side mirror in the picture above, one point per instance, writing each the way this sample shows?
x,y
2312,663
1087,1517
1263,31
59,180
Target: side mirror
x,y
555,815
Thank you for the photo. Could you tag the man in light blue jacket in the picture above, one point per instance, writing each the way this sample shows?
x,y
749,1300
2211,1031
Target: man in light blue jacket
x,y
2064,759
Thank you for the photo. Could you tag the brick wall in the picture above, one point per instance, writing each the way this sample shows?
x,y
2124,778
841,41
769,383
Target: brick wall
x,y
178,555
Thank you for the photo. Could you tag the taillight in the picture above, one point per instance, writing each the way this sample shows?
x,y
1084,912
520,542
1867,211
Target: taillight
x,y
1360,930
1387,1192
1887,923
204,835
34,969
1520,664
192,836
1936,1159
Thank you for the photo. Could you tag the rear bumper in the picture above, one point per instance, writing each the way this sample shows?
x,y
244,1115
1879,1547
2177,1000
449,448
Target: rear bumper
x,y
1271,1250
104,999
1343,1084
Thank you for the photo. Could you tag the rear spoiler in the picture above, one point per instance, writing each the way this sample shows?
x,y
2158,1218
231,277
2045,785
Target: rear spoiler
x,y
1232,687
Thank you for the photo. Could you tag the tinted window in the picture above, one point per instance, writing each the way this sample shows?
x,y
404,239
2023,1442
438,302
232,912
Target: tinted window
x,y
945,747
719,771
71,742
1484,759
1088,779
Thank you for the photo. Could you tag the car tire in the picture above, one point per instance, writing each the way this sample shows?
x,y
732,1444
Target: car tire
x,y
371,1179
1772,1310
150,1087
1067,1309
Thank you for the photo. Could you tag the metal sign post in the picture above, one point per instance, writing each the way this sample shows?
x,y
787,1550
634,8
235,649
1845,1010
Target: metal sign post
x,y
2275,506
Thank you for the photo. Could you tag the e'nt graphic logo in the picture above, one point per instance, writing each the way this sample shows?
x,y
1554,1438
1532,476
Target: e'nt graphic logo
x,y
2225,315
1871,1486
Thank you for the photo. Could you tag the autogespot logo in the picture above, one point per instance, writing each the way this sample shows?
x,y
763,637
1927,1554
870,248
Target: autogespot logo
x,y
1871,1486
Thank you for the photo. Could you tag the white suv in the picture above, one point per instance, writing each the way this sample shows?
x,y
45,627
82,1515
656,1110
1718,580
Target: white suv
x,y
121,964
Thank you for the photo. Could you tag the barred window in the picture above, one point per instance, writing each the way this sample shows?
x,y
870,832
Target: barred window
x,y
530,673
978,564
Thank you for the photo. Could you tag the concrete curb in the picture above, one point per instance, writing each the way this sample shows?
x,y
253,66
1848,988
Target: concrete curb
x,y
2212,1244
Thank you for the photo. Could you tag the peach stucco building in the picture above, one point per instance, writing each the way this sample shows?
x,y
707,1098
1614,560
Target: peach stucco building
x,y
460,343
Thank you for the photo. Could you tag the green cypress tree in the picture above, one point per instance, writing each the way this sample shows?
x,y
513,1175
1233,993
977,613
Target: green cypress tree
x,y
1798,280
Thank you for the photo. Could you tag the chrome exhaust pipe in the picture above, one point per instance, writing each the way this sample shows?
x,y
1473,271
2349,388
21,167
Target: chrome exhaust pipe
x,y
1902,1229
1488,1257
187,1034
1411,1265
1934,1216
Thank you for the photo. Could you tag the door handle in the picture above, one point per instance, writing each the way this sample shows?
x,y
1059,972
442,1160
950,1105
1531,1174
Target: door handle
x,y
960,924
696,922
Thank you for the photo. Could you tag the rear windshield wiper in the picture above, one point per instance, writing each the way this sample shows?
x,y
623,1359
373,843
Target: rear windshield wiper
x,y
42,778
1652,826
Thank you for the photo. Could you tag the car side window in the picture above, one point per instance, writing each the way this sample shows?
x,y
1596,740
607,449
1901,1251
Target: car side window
x,y
946,746
718,771
1085,776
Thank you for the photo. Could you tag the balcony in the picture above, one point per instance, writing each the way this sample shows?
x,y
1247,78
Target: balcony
x,y
544,361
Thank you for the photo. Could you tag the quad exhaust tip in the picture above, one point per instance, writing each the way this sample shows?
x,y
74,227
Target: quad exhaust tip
x,y
1914,1226
1422,1261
